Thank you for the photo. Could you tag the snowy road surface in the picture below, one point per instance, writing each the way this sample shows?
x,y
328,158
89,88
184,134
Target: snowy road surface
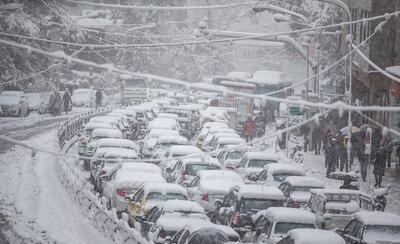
x,y
35,206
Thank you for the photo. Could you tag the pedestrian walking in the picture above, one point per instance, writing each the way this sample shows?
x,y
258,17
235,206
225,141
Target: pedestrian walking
x,y
57,104
51,103
317,139
305,130
379,166
99,98
388,145
342,152
249,129
331,156
66,100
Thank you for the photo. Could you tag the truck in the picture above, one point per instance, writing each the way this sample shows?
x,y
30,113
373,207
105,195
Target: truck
x,y
133,90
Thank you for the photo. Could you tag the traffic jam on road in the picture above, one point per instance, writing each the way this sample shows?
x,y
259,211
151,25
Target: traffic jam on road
x,y
185,172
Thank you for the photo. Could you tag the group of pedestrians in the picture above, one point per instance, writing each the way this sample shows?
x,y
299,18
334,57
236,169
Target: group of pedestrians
x,y
56,102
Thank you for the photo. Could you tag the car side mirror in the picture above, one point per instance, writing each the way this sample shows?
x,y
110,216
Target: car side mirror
x,y
168,170
185,184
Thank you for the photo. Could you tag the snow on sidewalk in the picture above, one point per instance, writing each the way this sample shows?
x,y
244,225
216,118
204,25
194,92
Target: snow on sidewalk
x,y
36,203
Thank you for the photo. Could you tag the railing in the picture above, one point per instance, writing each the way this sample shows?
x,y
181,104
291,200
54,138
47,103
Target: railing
x,y
95,207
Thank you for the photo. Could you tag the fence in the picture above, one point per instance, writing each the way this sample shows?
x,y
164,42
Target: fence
x,y
95,208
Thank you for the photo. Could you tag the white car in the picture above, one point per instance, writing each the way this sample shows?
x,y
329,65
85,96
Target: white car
x,y
184,171
151,138
212,130
312,236
83,97
165,142
14,103
273,224
184,235
223,142
168,116
124,181
297,189
87,133
211,185
170,157
230,156
164,123
112,120
253,163
211,139
275,174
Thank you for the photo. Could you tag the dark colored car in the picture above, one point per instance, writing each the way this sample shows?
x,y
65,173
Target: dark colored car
x,y
202,236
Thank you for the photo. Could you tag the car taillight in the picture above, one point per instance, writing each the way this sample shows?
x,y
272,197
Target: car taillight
x,y
123,192
295,204
204,197
236,218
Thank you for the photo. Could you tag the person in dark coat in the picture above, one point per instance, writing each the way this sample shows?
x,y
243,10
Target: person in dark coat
x,y
249,128
331,156
317,139
342,152
379,166
99,98
66,100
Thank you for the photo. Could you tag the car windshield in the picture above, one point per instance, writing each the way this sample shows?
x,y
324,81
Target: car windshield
x,y
304,188
208,237
259,163
235,155
382,233
250,204
339,197
165,197
285,227
282,177
192,169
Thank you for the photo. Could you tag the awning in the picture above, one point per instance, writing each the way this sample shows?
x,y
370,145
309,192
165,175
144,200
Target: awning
x,y
394,70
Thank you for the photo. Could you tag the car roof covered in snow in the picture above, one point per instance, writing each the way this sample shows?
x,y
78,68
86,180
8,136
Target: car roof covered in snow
x,y
304,181
140,167
177,221
215,124
94,125
230,140
214,130
180,140
225,134
282,214
377,218
266,77
260,192
168,115
114,152
182,206
163,188
135,179
201,160
184,150
116,142
105,119
315,236
284,168
110,133
261,155
155,133
218,181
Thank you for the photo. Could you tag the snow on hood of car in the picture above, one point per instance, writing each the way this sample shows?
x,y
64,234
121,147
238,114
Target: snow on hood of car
x,y
378,218
116,142
225,229
260,192
230,140
281,214
113,152
215,124
156,133
261,155
184,150
164,188
182,206
348,207
177,221
134,180
109,133
101,125
315,236
300,196
168,116
179,140
284,168
140,167
305,181
219,187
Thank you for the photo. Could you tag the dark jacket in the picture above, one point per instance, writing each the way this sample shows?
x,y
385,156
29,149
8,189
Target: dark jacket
x,y
380,163
331,152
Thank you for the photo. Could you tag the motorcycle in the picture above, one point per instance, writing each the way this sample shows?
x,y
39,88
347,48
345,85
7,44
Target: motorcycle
x,y
297,155
379,195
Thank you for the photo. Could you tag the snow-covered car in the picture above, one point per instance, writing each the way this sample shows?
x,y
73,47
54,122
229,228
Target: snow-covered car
x,y
253,163
225,142
207,126
209,131
124,181
87,133
208,233
165,142
164,123
211,139
311,236
168,116
275,174
372,227
14,103
211,186
174,210
230,156
273,224
151,138
170,157
238,207
152,194
112,120
335,208
184,171
97,134
83,97
297,190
